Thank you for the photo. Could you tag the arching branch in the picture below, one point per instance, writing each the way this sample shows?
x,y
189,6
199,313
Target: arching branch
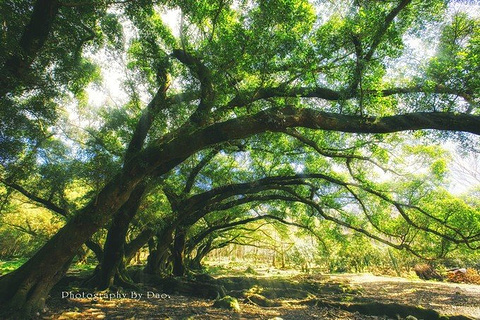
x,y
203,74
332,154
196,170
43,202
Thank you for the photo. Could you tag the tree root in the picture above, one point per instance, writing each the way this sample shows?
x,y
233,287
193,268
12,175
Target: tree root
x,y
393,310
261,301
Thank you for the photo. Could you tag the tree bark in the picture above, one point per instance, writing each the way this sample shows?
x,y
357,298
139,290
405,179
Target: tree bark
x,y
111,268
202,251
136,244
178,252
23,291
96,248
157,260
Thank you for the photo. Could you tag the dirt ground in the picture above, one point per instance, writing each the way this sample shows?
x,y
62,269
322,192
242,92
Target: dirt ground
x,y
447,298
297,296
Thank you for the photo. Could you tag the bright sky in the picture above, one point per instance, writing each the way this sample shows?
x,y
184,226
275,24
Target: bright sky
x,y
114,68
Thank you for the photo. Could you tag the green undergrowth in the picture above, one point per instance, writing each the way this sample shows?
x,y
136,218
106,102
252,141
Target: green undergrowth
x,y
11,265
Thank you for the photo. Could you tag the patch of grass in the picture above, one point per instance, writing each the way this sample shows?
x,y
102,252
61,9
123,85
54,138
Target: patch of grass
x,y
216,270
82,267
11,265
81,270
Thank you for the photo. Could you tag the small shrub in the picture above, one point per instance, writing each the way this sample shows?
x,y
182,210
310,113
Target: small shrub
x,y
250,270
227,302
427,272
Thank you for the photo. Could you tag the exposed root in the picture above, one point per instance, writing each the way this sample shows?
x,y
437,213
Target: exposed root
x,y
393,310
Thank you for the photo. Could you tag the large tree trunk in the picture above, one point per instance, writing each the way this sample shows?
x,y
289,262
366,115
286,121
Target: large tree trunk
x,y
178,252
31,292
202,251
136,244
24,290
157,260
111,269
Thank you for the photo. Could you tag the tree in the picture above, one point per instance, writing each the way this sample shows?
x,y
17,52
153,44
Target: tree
x,y
235,72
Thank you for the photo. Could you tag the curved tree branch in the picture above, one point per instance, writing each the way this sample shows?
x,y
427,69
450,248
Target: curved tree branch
x,y
331,154
44,202
148,116
161,157
203,74
196,170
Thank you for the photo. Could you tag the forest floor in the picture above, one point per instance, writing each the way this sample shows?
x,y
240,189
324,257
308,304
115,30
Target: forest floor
x,y
277,296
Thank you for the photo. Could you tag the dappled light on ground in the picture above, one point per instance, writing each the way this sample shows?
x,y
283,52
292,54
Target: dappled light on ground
x,y
181,307
296,297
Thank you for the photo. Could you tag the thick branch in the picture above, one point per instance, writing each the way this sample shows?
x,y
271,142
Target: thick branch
x,y
212,199
263,198
199,237
45,203
202,73
362,59
96,248
196,170
164,156
136,244
377,39
148,116
191,217
283,91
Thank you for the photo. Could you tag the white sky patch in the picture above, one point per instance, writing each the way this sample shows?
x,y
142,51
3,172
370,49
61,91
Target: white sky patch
x,y
420,48
114,68
470,7
172,18
111,91
464,172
